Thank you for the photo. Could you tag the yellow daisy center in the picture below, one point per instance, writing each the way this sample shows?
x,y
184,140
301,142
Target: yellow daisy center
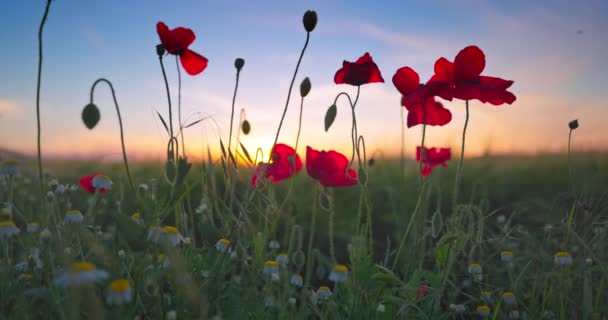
x,y
225,242
271,263
136,215
161,257
506,253
73,212
171,230
120,285
323,288
507,294
483,308
27,276
7,224
341,268
82,266
562,254
103,176
474,265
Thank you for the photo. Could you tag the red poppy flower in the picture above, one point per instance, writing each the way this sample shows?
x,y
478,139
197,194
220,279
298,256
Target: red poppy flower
x,y
86,183
467,83
177,41
363,71
422,291
330,168
432,158
419,100
281,165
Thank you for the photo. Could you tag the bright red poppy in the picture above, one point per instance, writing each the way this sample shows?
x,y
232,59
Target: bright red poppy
x,y
433,157
281,165
419,99
330,168
86,183
362,71
422,290
177,41
467,83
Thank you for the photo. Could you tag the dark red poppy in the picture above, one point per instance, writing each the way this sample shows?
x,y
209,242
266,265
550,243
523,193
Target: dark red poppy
x,y
86,183
432,158
330,168
363,71
177,41
281,165
419,99
467,83
422,291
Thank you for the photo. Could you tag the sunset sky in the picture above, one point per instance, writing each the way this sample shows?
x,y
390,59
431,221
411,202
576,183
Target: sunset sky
x,y
555,51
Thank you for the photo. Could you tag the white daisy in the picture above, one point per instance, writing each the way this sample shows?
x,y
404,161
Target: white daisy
x,y
283,259
102,181
339,274
119,292
73,216
222,245
8,229
10,168
270,267
80,274
172,235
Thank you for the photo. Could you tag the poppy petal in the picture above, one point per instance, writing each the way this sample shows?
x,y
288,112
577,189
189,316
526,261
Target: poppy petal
x,y
175,40
436,114
363,71
468,64
193,62
406,80
444,70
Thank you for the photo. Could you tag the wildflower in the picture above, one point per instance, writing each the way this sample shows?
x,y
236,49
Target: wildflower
x,y
8,229
562,258
270,267
475,271
119,292
26,276
339,274
122,254
10,168
509,298
324,292
296,280
459,308
432,158
143,187
483,311
222,245
172,235
102,183
60,189
284,163
45,234
73,216
273,244
506,256
419,99
136,217
80,274
177,41
514,314
154,234
466,81
380,307
360,72
330,168
422,290
50,195
283,259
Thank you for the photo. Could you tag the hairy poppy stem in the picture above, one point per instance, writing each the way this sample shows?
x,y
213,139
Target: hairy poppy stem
x,y
236,87
122,137
38,83
179,105
289,92
162,67
422,152
464,133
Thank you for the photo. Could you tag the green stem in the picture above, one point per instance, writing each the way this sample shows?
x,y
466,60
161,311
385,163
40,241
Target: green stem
x,y
423,154
570,164
402,144
179,105
236,87
39,80
289,92
457,180
407,230
309,262
162,66
122,137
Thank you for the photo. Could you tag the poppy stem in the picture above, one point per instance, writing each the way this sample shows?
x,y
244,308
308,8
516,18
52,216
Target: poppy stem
x,y
354,131
162,67
423,154
407,230
39,79
570,164
311,236
402,144
236,87
179,105
464,132
289,92
122,137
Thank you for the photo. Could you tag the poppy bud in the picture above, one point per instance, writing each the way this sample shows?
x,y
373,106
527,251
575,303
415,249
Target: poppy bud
x,y
573,124
305,87
160,50
246,127
310,20
330,116
90,115
239,63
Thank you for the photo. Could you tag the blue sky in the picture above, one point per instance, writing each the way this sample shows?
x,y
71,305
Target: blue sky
x,y
559,72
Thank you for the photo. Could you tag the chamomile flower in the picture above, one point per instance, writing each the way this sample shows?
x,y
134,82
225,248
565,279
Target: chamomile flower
x,y
324,292
143,187
80,274
270,267
155,234
32,227
26,276
73,216
119,292
562,258
222,245
296,280
45,234
381,308
486,296
475,270
136,217
283,259
273,244
102,181
506,256
514,314
172,235
60,189
483,311
8,229
10,168
339,274
509,298
458,308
